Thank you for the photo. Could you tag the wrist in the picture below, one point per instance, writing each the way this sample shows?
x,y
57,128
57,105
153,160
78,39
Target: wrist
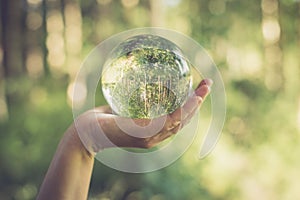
x,y
73,142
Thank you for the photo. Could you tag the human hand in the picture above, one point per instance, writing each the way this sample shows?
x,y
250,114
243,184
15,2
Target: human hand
x,y
99,128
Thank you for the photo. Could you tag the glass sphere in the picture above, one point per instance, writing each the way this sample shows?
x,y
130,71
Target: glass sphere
x,y
146,76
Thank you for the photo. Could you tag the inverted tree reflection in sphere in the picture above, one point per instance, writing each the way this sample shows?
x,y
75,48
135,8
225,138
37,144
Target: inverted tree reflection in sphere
x,y
146,76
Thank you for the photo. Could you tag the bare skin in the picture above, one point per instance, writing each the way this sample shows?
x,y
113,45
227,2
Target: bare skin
x,y
69,174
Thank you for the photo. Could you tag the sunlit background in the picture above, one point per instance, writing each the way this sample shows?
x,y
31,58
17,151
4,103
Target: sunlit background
x,y
255,44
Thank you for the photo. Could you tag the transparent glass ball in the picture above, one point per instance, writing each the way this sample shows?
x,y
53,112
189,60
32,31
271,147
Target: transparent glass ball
x,y
146,76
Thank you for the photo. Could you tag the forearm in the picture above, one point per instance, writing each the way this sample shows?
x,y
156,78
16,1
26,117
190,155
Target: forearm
x,y
69,174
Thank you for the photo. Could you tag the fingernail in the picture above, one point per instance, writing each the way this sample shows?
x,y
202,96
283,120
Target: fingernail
x,y
209,82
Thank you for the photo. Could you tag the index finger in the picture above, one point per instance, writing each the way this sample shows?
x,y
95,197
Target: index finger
x,y
203,88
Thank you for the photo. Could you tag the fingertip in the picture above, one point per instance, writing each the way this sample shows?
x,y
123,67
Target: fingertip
x,y
206,81
209,82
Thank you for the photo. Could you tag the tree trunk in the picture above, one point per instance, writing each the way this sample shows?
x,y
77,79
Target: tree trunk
x,y
13,15
44,38
12,37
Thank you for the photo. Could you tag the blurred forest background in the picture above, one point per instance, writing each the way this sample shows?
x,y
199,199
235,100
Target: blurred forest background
x,y
255,44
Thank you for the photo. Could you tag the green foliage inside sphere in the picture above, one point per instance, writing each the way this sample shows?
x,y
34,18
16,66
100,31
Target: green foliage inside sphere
x,y
146,76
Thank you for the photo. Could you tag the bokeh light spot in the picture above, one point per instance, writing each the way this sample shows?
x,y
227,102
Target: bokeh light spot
x,y
130,3
34,63
34,2
55,22
172,3
269,6
103,2
78,97
273,81
38,95
271,30
34,20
